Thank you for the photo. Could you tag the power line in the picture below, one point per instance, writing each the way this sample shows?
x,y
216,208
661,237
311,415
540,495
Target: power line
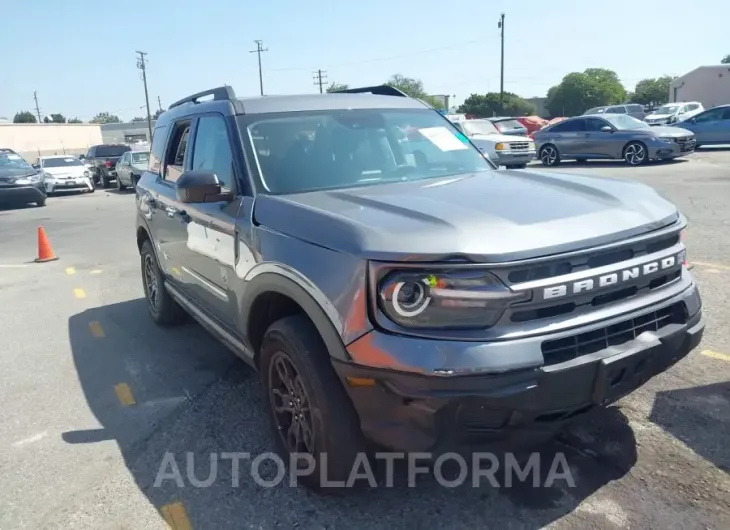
x,y
320,77
37,109
258,50
380,59
141,65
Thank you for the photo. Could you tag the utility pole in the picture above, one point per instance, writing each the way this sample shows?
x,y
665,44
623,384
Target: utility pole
x,y
159,103
320,78
501,73
37,109
258,50
141,65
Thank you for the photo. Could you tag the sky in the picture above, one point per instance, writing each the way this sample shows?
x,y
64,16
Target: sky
x,y
79,55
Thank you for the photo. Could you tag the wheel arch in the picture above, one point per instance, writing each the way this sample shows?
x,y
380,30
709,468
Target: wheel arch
x,y
269,296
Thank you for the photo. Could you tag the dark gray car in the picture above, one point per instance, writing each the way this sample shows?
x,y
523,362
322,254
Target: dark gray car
x,y
394,296
611,136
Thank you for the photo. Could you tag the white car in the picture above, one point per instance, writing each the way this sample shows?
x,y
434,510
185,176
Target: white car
x,y
511,151
673,112
64,173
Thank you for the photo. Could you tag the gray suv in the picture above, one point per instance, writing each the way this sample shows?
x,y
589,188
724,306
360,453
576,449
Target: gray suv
x,y
400,297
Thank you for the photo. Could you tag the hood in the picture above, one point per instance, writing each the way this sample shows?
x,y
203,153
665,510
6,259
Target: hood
x,y
671,131
493,216
658,116
68,171
496,138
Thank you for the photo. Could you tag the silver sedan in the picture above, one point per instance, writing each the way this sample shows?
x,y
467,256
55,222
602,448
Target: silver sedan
x,y
611,136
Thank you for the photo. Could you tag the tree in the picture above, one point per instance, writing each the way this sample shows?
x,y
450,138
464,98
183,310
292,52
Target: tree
x,y
157,114
413,87
75,120
725,60
137,118
652,91
55,118
334,87
25,116
105,117
488,105
579,91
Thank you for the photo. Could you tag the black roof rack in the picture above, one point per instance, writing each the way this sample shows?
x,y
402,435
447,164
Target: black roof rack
x,y
223,93
381,90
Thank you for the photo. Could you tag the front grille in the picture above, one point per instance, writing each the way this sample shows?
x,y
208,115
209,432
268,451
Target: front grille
x,y
591,261
568,348
519,146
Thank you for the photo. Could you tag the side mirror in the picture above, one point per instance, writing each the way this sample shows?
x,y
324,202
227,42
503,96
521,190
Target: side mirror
x,y
36,166
200,186
606,128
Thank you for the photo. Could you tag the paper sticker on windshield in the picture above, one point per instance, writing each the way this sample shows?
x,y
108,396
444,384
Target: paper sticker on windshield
x,y
13,157
442,138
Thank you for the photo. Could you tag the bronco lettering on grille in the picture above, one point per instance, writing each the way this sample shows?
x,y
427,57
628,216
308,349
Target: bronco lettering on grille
x,y
614,278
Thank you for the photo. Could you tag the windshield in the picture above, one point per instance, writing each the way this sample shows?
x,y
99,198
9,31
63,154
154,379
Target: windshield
x,y
624,121
667,109
14,165
595,110
308,151
508,125
140,158
60,162
479,127
103,151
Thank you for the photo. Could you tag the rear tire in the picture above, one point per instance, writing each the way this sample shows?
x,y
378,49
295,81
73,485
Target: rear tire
x,y
517,166
41,202
328,419
164,310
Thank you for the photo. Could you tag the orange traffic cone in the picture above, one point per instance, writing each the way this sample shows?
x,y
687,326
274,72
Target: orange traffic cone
x,y
45,252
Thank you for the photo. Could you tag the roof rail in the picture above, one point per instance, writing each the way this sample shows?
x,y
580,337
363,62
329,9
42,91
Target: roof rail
x,y
223,93
381,90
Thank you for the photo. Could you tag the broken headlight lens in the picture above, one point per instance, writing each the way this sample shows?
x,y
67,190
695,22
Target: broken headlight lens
x,y
449,299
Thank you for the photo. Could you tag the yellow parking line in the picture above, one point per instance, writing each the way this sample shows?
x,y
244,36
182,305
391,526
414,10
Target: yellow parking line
x,y
716,355
717,266
70,270
175,516
95,271
79,293
124,394
96,329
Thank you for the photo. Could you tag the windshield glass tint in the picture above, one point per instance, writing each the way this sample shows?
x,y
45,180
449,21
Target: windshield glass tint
x,y
61,162
309,151
667,109
508,125
103,151
12,164
140,158
624,122
479,127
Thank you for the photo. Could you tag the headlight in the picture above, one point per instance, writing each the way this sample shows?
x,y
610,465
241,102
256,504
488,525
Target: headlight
x,y
500,147
87,174
445,299
29,180
531,146
666,138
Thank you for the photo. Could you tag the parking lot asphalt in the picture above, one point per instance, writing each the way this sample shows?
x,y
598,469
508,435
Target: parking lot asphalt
x,y
93,396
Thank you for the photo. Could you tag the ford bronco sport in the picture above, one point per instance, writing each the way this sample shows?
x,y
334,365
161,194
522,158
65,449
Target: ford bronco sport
x,y
393,288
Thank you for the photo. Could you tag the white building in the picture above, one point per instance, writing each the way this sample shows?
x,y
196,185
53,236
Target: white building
x,y
710,85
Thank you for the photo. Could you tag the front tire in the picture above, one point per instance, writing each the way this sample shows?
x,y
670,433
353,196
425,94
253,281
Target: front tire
x,y
299,380
41,202
635,154
120,186
163,309
549,155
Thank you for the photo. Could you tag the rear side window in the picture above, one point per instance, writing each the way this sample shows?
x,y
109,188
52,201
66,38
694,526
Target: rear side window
x,y
616,110
175,156
569,126
103,151
157,153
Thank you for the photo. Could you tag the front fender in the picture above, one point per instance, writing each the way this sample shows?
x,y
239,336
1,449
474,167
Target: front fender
x,y
274,277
